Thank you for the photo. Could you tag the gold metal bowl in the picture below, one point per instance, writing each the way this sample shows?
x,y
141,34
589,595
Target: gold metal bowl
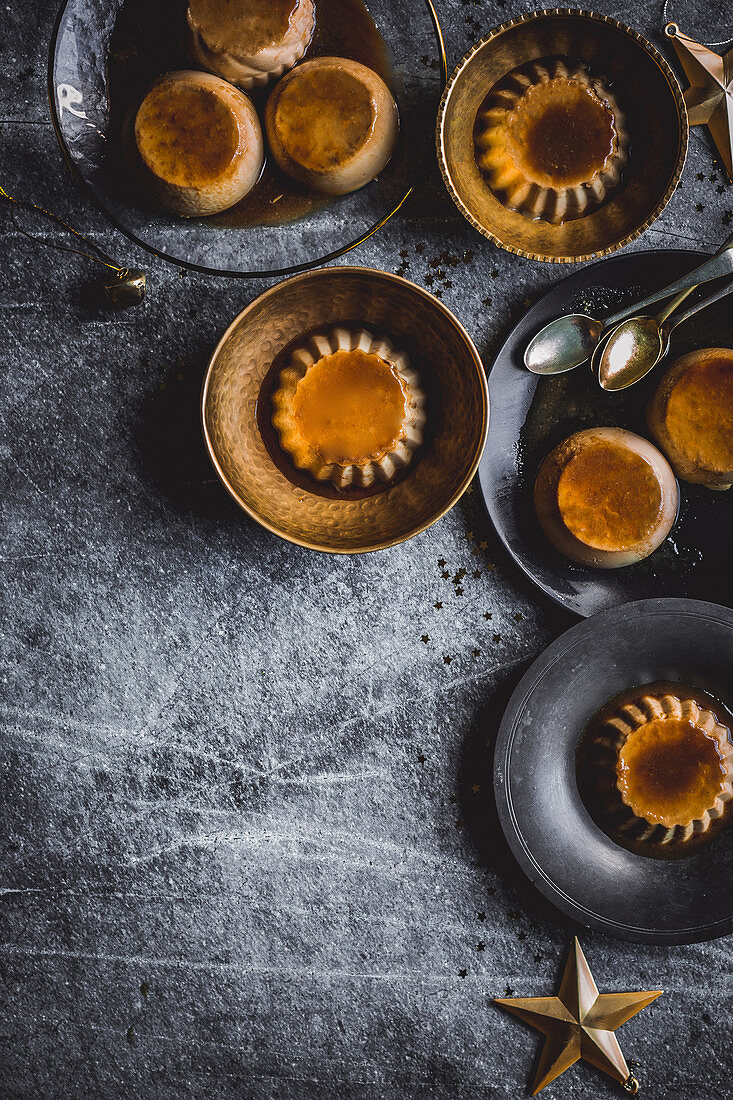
x,y
647,92
236,413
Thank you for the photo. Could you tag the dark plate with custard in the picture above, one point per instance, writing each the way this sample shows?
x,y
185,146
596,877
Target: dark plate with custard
x,y
677,538
254,139
613,772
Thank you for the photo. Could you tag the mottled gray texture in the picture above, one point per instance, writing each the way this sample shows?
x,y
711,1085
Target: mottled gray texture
x,y
242,855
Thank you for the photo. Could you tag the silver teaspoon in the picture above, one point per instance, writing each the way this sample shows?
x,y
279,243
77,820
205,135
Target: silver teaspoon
x,y
636,346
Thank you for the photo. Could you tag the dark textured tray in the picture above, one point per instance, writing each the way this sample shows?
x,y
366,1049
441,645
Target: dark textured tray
x,y
556,843
533,414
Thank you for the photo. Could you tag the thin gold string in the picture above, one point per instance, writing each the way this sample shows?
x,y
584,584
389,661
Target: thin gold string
x,y
100,258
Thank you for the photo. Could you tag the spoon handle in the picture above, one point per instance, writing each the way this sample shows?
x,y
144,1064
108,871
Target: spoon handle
x,y
724,291
719,264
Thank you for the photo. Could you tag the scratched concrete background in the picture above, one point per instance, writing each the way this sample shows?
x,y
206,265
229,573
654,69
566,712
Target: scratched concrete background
x,y
247,843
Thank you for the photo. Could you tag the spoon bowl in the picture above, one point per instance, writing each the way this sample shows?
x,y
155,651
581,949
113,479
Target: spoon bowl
x,y
563,344
631,350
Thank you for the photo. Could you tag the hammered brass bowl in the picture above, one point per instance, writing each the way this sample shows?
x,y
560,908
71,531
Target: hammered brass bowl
x,y
647,92
249,462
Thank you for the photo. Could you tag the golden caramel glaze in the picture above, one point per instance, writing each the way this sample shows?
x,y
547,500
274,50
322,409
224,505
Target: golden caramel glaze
x,y
561,133
246,24
324,117
332,124
250,42
606,497
186,134
670,771
350,407
195,143
550,140
655,767
691,416
609,497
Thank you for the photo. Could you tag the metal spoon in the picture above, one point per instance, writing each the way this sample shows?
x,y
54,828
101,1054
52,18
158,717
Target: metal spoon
x,y
636,346
568,341
600,349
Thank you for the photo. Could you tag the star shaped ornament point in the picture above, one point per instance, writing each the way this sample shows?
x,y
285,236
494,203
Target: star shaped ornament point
x,y
579,1023
709,99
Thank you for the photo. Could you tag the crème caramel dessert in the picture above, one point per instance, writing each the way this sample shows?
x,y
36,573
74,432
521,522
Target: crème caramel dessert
x,y
605,497
332,124
550,141
250,42
691,417
195,143
349,409
662,764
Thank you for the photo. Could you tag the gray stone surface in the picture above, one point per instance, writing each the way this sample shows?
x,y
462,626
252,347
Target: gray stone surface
x,y
247,840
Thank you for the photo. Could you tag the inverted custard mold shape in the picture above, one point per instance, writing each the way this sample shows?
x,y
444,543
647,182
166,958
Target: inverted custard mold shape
x,y
349,408
664,769
551,141
250,43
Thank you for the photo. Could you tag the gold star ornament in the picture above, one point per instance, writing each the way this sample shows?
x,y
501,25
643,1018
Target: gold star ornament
x,y
579,1023
709,99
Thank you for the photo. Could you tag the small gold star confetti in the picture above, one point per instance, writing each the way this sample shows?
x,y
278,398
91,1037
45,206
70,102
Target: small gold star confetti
x,y
483,545
579,1023
462,973
497,637
518,616
445,574
470,536
441,563
475,552
447,660
487,614
459,591
438,604
480,946
425,638
476,788
481,916
477,573
476,652
421,759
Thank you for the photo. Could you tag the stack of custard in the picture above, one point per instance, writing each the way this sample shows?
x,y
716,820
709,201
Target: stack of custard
x,y
196,142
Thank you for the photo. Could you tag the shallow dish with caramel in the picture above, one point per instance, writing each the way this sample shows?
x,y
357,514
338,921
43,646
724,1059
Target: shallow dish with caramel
x,y
655,767
550,140
606,497
349,408
691,417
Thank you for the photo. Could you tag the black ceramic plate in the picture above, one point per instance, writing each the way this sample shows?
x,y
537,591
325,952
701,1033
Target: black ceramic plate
x,y
533,414
567,857
84,88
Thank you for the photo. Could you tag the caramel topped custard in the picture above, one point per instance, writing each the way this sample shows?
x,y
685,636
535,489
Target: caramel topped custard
x,y
332,124
349,409
606,497
250,42
691,417
660,762
197,143
550,141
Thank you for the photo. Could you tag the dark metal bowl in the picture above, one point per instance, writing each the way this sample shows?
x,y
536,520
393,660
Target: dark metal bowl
x,y
556,843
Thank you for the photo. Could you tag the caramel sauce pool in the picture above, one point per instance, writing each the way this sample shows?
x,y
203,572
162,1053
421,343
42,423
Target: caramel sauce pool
x,y
150,38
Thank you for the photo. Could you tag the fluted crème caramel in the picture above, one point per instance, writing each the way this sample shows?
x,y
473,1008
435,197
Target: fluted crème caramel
x,y
332,124
550,141
196,143
605,497
668,760
349,408
691,417
250,42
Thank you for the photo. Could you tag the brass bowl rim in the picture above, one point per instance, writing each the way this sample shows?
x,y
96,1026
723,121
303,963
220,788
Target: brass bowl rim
x,y
674,87
435,304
